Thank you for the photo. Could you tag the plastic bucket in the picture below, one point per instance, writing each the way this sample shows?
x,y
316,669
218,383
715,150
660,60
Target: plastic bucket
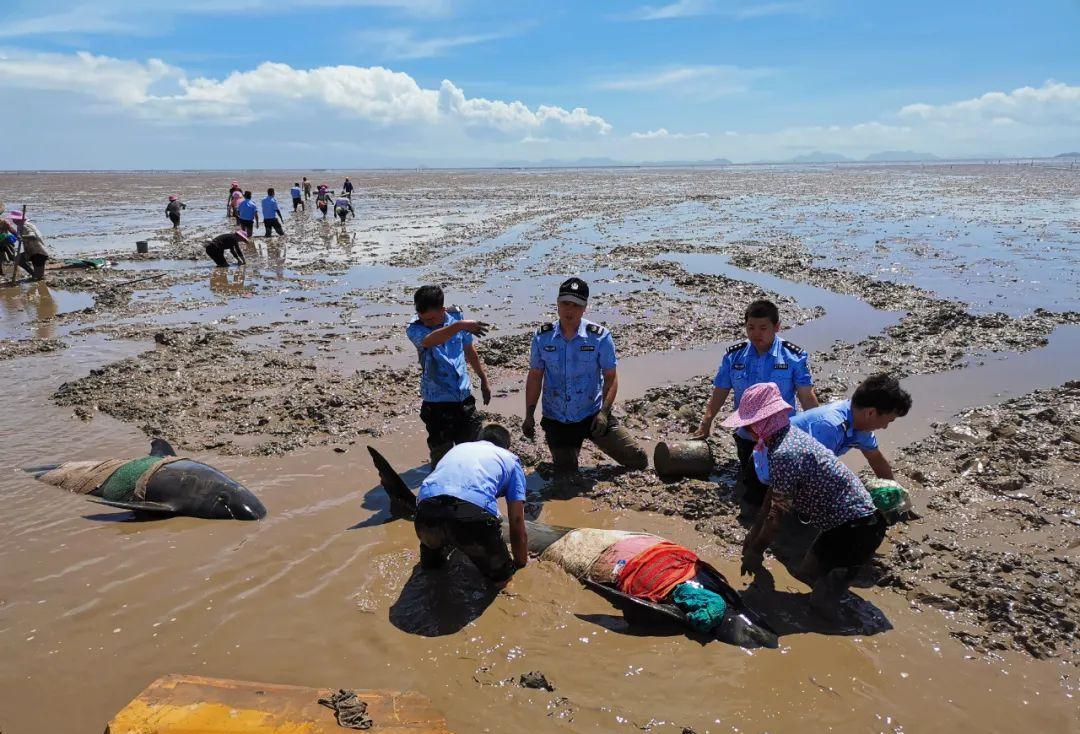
x,y
142,247
683,459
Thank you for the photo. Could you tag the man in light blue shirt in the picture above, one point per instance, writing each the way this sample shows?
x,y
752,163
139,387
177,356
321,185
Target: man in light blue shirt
x,y
457,507
572,364
839,426
247,214
762,357
297,197
272,216
444,344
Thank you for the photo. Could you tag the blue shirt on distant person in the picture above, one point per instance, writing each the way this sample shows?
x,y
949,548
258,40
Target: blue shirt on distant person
x,y
270,208
296,192
478,472
445,378
834,426
247,210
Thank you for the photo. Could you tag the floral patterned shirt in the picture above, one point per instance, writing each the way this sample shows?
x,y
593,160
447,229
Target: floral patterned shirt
x,y
809,480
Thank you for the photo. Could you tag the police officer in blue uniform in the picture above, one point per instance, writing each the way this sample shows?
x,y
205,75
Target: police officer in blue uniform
x,y
846,424
444,344
573,365
762,357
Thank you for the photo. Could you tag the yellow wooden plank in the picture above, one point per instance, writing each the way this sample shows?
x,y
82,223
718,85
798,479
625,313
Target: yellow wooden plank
x,y
182,704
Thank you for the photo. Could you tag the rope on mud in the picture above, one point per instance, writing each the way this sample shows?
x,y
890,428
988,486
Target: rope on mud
x,y
350,711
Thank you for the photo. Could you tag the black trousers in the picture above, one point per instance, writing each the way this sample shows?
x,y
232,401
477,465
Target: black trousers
x,y
272,225
444,523
449,424
175,219
33,264
852,544
566,435
298,203
755,490
217,255
248,225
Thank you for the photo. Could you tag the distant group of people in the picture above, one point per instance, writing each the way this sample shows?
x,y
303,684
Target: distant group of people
x,y
788,460
240,206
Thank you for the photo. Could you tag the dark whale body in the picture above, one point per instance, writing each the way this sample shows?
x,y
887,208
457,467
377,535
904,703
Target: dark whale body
x,y
185,487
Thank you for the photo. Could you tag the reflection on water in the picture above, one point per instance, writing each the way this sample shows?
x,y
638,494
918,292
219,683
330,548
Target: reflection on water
x,y
27,310
230,282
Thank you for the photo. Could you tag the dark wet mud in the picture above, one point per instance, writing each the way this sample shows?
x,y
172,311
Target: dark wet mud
x,y
279,373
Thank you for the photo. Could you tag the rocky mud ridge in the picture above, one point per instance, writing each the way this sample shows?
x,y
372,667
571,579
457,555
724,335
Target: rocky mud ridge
x,y
997,546
936,334
204,388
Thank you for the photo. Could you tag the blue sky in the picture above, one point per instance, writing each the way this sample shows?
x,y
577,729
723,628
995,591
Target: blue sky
x,y
347,83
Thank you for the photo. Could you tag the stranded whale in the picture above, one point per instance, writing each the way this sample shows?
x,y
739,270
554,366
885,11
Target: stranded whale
x,y
159,484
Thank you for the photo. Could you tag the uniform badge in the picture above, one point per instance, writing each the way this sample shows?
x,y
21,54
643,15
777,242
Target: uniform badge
x,y
549,347
739,366
781,366
588,348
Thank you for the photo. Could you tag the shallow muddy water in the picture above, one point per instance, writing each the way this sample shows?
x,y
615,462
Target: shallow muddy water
x,y
324,592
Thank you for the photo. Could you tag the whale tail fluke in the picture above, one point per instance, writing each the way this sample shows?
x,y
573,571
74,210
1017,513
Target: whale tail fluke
x,y
39,471
402,500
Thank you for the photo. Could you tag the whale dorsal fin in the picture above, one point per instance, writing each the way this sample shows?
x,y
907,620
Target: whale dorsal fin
x,y
402,500
157,507
161,447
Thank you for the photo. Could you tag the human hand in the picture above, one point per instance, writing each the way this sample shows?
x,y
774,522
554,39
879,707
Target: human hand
x,y
479,328
528,427
751,563
702,432
485,391
601,423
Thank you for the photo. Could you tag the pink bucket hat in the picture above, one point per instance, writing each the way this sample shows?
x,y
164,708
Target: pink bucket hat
x,y
758,403
243,235
172,197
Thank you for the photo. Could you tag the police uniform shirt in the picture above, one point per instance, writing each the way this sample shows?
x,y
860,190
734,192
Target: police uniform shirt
x,y
573,370
445,378
784,364
834,426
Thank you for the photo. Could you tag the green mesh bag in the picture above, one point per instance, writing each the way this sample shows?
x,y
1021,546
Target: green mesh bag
x,y
120,486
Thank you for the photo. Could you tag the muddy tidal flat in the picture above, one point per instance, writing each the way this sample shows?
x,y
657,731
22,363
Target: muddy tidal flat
x,y
964,280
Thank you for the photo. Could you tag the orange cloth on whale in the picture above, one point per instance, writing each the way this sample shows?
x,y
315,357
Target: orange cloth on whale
x,y
654,572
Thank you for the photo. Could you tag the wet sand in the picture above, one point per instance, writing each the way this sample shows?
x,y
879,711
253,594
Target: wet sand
x,y
280,373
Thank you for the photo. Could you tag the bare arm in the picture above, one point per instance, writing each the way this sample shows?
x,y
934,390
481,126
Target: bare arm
x,y
761,534
878,462
716,402
519,537
611,389
473,358
444,333
807,397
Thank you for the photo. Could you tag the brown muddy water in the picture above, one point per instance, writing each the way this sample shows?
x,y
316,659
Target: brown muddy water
x,y
324,592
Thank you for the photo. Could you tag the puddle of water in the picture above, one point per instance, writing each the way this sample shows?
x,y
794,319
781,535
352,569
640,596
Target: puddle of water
x,y
25,310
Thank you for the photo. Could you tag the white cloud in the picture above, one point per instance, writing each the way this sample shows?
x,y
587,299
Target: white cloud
x,y
678,9
373,94
1054,103
402,43
663,134
701,82
735,10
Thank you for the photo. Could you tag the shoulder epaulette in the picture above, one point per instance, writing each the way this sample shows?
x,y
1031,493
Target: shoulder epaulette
x,y
737,346
544,328
795,348
596,329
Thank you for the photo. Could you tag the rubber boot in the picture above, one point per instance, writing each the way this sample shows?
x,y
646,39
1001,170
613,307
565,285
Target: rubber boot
x,y
620,445
829,591
565,460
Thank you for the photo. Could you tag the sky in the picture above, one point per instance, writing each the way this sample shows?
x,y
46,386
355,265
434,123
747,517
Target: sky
x,y
126,84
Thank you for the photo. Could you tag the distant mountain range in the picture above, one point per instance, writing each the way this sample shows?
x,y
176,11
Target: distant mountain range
x,y
884,156
606,163
1067,155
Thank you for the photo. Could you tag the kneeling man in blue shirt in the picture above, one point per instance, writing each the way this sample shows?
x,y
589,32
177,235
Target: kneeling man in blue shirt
x,y
876,403
457,507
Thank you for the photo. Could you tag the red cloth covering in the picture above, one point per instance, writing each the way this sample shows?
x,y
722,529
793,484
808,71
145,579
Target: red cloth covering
x,y
654,572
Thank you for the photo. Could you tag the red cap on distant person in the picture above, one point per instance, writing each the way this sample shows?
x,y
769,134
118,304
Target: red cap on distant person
x,y
172,197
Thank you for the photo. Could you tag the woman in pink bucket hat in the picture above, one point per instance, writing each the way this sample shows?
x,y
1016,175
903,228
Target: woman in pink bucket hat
x,y
805,478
